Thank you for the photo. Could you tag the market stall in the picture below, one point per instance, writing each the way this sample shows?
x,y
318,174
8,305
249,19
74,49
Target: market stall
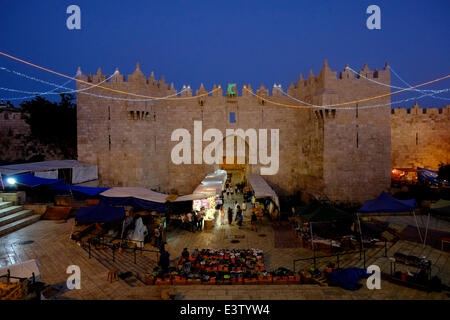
x,y
137,197
207,195
384,203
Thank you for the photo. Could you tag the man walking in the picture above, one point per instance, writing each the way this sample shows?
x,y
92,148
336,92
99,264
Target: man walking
x,y
230,216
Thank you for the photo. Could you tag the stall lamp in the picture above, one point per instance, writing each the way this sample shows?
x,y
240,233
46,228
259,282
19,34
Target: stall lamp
x,y
11,181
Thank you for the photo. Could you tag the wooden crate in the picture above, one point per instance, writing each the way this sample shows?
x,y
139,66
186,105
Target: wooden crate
x,y
178,282
165,282
194,281
147,279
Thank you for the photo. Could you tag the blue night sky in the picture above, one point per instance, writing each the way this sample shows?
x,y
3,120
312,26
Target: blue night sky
x,y
254,42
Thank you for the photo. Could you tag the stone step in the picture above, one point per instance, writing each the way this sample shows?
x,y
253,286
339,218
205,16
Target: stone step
x,y
16,225
5,204
15,216
10,210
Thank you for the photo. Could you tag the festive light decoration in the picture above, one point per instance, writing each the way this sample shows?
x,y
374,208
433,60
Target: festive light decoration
x,y
62,86
106,88
362,107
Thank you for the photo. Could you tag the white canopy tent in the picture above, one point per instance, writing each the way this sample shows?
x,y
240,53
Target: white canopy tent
x,y
262,188
80,172
23,270
211,186
135,192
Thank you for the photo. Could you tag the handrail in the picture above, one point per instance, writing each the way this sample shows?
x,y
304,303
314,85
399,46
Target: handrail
x,y
116,238
114,247
337,255
9,276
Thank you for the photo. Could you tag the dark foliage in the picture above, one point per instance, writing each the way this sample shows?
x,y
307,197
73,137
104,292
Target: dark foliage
x,y
53,123
444,172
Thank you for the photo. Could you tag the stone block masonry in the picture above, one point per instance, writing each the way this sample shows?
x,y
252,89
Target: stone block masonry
x,y
337,154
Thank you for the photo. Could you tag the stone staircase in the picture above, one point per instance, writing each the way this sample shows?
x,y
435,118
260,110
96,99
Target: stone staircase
x,y
13,217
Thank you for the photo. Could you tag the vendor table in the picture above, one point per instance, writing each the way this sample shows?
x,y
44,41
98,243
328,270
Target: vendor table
x,y
208,224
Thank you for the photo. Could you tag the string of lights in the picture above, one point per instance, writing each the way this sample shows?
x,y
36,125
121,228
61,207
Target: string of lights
x,y
62,86
42,81
305,105
360,107
349,102
435,97
396,87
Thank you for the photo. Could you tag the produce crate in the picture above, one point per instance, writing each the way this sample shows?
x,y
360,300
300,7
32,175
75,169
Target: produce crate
x,y
251,281
148,279
194,281
265,281
295,280
163,282
179,281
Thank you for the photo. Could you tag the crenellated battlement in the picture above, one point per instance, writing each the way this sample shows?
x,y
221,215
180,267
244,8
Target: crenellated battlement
x,y
416,110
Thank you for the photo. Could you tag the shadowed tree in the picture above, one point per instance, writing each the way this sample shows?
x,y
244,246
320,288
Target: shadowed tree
x,y
53,123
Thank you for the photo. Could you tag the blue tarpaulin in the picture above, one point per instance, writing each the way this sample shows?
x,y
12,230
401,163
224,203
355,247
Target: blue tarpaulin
x,y
85,190
427,175
348,278
33,181
386,203
135,202
137,197
100,213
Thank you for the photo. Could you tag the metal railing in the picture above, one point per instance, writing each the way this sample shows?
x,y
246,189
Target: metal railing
x,y
115,247
362,255
8,277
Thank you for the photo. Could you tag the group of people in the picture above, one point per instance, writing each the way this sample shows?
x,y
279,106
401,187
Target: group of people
x,y
157,234
193,221
231,189
238,214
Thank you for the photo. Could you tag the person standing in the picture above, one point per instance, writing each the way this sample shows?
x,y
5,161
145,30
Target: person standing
x,y
185,254
239,216
237,213
244,208
190,222
230,216
201,216
221,215
157,235
183,221
164,261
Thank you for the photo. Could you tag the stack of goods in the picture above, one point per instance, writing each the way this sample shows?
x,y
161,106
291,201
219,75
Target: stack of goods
x,y
227,266
213,266
285,276
157,277
412,260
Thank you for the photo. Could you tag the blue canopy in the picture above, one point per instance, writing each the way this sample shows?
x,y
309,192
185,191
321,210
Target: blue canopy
x,y
86,190
33,181
100,213
135,202
386,203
